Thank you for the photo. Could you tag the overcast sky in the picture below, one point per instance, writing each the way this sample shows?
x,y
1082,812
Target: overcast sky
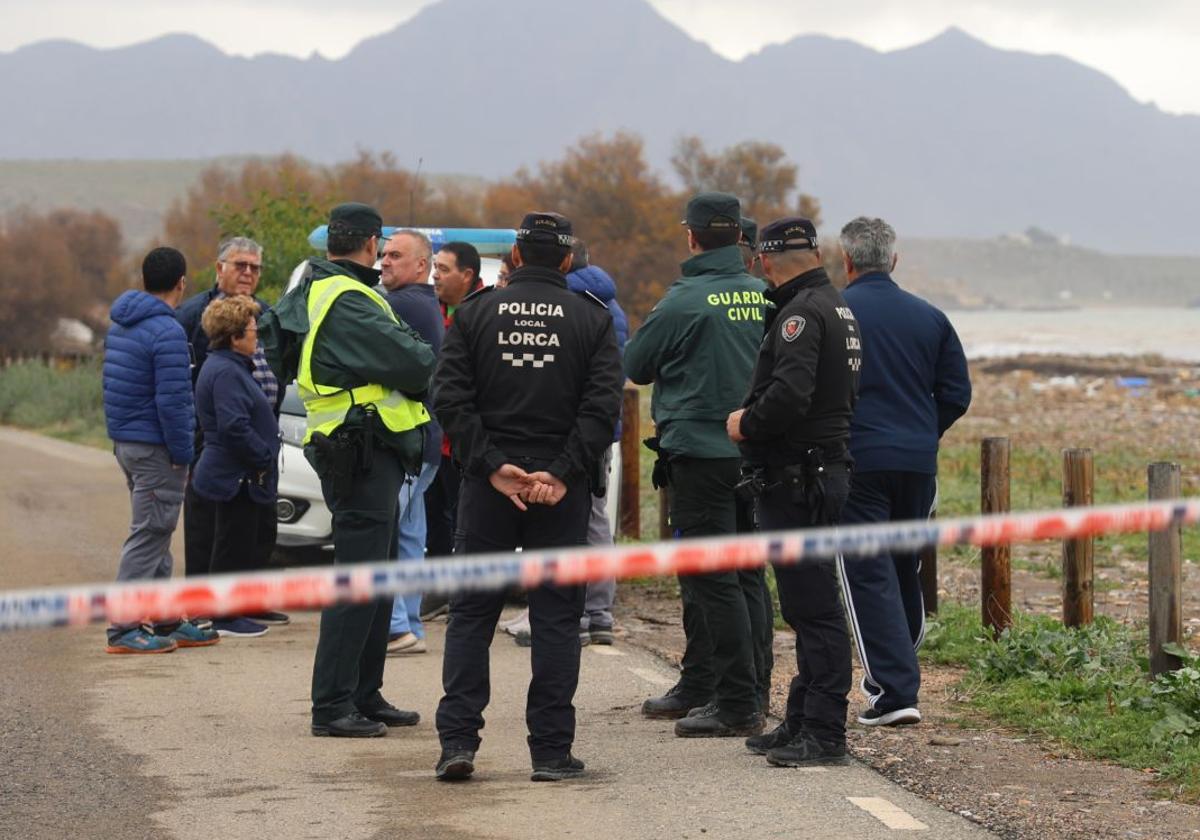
x,y
1152,48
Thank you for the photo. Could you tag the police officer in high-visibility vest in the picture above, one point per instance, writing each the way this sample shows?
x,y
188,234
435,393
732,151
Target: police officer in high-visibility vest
x,y
529,389
361,374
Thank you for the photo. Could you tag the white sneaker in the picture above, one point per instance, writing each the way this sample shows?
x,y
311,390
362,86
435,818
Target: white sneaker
x,y
896,717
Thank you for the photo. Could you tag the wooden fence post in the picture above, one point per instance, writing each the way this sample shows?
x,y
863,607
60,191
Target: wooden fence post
x,y
929,576
1166,573
1078,554
996,561
630,504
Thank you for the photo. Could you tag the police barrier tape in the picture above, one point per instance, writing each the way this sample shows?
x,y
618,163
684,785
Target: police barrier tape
x,y
313,588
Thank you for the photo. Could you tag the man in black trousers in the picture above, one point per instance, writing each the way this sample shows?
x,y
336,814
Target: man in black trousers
x,y
793,429
529,389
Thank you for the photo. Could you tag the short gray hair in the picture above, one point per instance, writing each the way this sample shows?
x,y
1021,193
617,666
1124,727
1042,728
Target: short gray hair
x,y
422,240
869,244
238,245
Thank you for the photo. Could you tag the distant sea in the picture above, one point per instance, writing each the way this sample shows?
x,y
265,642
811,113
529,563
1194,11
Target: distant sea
x,y
1171,333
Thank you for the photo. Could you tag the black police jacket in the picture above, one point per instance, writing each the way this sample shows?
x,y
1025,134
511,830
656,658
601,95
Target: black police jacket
x,y
530,370
805,381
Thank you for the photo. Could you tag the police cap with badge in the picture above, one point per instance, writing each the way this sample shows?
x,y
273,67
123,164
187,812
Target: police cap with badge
x,y
545,228
355,219
791,233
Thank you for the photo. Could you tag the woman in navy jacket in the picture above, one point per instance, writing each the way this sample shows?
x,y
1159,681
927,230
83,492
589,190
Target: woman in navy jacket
x,y
238,467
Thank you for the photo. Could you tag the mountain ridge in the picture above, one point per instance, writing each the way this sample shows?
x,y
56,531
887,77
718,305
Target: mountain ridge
x,y
950,137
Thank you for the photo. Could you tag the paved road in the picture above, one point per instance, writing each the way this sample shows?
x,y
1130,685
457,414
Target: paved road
x,y
213,742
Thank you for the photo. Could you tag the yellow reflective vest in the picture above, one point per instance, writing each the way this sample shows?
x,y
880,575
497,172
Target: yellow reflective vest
x,y
327,406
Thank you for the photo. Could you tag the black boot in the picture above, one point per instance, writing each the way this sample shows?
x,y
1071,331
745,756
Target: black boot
x,y
777,737
672,705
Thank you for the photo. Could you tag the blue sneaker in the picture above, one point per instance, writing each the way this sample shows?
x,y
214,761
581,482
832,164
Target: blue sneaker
x,y
140,640
188,634
242,628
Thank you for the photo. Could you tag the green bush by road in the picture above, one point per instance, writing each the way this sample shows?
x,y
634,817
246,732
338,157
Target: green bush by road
x,y
63,402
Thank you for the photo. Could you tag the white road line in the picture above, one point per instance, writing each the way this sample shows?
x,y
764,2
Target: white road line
x,y
888,813
652,677
605,650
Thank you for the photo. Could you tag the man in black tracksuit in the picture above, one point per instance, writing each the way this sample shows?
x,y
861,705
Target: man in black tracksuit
x,y
914,386
793,431
529,389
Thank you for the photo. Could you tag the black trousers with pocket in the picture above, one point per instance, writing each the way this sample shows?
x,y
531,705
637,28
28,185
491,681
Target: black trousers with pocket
x,y
811,603
490,522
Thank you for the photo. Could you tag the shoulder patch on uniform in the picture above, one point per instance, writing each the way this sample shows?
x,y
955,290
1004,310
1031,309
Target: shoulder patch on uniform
x,y
585,294
792,328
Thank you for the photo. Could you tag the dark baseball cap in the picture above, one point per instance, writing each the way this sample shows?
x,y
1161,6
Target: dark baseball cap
x,y
791,233
749,232
713,211
354,219
547,228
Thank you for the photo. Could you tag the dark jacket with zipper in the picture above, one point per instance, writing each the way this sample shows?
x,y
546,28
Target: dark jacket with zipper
x,y
530,371
914,382
241,434
806,380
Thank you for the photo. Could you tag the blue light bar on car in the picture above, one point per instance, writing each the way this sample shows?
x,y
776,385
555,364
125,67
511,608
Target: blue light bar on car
x,y
488,241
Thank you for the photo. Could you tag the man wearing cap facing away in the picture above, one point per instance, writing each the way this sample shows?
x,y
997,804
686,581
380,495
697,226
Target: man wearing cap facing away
x,y
698,347
360,373
793,429
529,388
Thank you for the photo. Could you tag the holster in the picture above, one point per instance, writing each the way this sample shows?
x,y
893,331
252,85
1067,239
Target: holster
x,y
660,476
805,483
339,457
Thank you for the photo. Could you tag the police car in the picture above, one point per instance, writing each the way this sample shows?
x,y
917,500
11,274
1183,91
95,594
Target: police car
x,y
304,520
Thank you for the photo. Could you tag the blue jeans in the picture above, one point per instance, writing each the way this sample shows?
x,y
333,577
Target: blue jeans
x,y
410,546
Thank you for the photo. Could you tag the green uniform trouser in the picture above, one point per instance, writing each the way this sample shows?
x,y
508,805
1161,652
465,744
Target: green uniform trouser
x,y
348,670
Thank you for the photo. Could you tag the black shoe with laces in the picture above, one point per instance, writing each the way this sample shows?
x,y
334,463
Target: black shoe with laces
x,y
807,751
777,737
717,724
389,715
456,764
672,705
709,708
353,725
556,770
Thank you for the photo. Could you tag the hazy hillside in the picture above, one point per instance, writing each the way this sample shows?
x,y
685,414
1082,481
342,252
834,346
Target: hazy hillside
x,y
948,138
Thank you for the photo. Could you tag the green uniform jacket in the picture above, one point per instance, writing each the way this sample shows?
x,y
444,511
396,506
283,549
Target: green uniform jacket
x,y
698,347
360,345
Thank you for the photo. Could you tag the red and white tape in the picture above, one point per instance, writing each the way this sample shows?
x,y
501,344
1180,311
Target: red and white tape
x,y
313,588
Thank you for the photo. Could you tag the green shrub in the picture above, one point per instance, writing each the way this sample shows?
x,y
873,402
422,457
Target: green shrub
x,y
65,402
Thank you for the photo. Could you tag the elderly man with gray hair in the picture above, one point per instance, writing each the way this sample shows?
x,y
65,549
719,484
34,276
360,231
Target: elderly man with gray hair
x,y
238,270
914,384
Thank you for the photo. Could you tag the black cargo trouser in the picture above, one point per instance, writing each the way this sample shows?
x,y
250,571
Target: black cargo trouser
x,y
719,657
811,603
488,522
352,644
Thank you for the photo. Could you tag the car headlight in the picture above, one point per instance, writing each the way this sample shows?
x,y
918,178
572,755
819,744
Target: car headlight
x,y
292,429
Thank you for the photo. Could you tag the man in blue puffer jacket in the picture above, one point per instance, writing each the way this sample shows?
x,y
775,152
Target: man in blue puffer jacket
x,y
150,416
596,625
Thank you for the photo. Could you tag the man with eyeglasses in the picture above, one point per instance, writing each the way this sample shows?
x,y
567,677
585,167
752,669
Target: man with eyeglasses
x,y
239,268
